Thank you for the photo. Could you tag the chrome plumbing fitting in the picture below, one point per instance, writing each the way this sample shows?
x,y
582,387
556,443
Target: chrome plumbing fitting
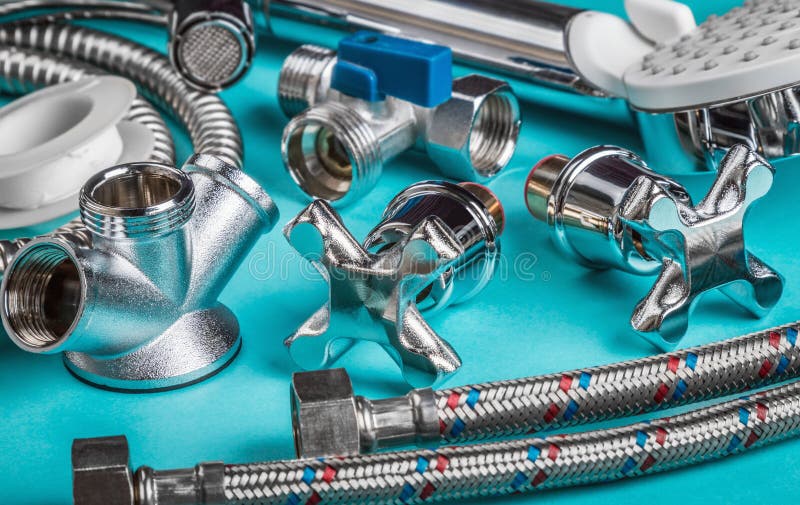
x,y
606,208
381,96
211,42
133,302
328,419
438,244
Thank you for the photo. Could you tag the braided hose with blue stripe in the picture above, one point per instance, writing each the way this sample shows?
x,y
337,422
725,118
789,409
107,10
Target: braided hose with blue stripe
x,y
500,468
533,404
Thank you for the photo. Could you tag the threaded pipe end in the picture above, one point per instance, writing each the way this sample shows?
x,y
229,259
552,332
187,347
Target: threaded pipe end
x,y
494,134
300,78
332,153
137,200
43,296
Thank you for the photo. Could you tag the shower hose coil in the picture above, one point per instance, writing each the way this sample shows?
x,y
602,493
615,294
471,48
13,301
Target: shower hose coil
x,y
209,122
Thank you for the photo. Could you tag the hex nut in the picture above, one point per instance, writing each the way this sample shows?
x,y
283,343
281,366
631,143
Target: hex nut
x,y
473,135
101,473
324,414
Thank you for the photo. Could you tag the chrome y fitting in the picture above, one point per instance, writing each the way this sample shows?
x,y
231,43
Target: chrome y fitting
x,y
161,245
437,245
382,96
606,208
211,42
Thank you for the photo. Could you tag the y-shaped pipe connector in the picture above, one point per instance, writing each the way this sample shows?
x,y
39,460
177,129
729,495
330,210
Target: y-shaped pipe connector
x,y
133,304
437,245
606,208
380,97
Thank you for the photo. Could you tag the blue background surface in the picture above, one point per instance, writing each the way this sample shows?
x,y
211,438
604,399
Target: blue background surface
x,y
563,317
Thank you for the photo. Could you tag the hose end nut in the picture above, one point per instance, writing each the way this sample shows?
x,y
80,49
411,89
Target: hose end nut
x,y
324,414
101,472
473,135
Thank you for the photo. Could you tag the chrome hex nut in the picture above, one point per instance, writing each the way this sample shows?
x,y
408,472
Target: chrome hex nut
x,y
324,414
101,473
473,135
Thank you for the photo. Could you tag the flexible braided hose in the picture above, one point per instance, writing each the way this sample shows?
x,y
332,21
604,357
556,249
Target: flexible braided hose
x,y
621,389
23,71
522,465
211,126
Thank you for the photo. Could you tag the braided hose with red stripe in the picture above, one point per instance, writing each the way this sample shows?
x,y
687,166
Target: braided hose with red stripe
x,y
500,468
618,390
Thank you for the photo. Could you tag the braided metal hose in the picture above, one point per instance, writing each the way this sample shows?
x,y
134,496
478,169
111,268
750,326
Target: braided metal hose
x,y
454,473
621,389
23,71
211,126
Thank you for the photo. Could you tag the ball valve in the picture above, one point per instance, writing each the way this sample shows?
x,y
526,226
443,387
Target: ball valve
x,y
381,96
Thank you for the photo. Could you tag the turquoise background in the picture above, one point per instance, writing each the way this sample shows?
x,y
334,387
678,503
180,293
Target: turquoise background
x,y
560,317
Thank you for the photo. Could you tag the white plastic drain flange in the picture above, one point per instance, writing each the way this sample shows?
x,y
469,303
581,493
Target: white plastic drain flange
x,y
56,138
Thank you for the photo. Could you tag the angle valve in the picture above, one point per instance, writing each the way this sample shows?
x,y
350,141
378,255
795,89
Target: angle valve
x,y
379,97
437,245
606,208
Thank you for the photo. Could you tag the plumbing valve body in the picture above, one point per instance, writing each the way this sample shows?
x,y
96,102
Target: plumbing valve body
x,y
161,245
437,245
606,208
355,111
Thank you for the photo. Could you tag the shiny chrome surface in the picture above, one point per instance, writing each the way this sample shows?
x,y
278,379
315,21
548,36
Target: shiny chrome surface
x,y
437,241
698,139
523,38
607,209
336,148
456,472
148,260
475,216
212,42
523,406
328,419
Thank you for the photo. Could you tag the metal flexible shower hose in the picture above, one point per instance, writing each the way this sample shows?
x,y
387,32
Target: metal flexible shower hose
x,y
209,122
621,389
523,465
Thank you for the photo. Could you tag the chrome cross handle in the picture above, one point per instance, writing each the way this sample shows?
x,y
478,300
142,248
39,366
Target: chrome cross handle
x,y
431,232
606,208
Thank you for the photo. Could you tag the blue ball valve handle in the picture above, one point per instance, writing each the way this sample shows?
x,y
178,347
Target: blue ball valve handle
x,y
372,66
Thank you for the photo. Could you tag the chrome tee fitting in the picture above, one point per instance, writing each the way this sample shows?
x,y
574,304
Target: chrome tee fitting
x,y
133,304
211,42
437,245
380,97
606,208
